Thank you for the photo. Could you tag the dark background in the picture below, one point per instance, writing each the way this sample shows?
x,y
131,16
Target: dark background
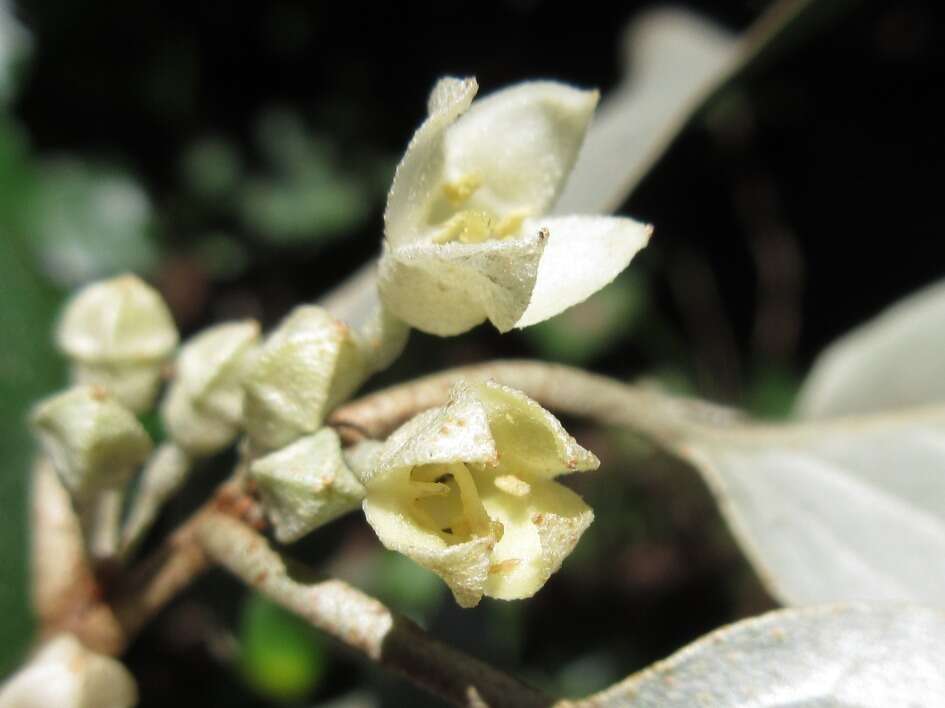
x,y
260,139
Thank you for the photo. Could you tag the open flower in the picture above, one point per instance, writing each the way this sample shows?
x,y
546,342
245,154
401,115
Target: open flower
x,y
467,238
468,491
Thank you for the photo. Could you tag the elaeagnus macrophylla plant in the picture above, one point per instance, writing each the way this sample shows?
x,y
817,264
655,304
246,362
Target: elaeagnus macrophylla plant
x,y
459,472
466,489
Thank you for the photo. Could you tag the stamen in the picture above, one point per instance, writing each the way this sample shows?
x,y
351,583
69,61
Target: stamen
x,y
510,484
458,191
510,224
473,510
428,489
466,227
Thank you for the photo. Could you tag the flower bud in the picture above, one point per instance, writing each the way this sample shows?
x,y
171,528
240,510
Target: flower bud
x,y
133,385
195,432
203,408
306,485
212,365
94,442
468,491
65,674
118,334
307,366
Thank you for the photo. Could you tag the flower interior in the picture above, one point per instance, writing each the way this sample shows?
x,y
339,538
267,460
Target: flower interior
x,y
456,220
446,502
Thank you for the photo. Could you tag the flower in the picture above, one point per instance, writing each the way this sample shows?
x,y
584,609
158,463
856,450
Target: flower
x,y
94,442
307,366
203,409
118,333
467,490
67,675
466,235
306,484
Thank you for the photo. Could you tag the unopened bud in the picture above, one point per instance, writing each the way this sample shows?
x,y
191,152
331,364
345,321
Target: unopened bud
x,y
306,485
308,365
64,674
94,442
203,408
118,333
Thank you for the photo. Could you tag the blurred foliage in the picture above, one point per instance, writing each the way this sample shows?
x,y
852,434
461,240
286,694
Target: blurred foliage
x,y
281,657
589,329
90,222
28,370
403,584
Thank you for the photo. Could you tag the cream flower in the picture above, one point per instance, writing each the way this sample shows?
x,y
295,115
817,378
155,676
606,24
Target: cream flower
x,y
94,442
119,334
306,484
203,408
468,491
307,366
65,674
466,236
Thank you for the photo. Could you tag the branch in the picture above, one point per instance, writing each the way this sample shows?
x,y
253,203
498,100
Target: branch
x,y
179,561
65,591
361,622
563,388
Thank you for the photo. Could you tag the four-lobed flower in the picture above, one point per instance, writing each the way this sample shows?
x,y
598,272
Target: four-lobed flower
x,y
468,491
467,236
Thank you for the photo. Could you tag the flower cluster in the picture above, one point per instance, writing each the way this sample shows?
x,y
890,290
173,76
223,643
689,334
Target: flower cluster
x,y
467,490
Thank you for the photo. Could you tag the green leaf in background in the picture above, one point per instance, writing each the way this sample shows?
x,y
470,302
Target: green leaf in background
x,y
222,256
281,657
399,581
15,44
90,222
772,393
308,196
28,369
212,169
587,330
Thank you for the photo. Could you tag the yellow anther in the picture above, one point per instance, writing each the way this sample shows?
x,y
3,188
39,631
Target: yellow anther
x,y
466,227
458,191
510,225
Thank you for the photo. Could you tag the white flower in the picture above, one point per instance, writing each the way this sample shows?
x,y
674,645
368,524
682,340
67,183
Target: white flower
x,y
94,442
466,236
307,366
64,674
118,333
306,484
203,408
468,491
